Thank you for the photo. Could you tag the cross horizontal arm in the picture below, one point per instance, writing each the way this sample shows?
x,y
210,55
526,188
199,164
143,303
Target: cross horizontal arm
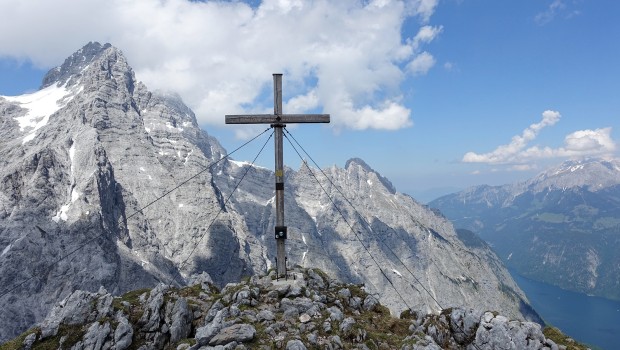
x,y
270,118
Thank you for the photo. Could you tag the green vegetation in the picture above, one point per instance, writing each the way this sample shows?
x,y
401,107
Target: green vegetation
x,y
553,218
606,223
381,327
470,239
561,339
408,315
66,337
17,342
188,341
192,291
134,310
321,273
133,298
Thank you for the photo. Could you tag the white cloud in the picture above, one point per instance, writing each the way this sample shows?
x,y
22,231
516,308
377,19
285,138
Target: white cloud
x,y
389,116
302,103
511,151
523,167
587,141
421,64
580,143
342,57
577,144
423,8
549,14
425,35
555,9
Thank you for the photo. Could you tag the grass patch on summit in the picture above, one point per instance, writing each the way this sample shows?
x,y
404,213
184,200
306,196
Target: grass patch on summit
x,y
17,342
562,339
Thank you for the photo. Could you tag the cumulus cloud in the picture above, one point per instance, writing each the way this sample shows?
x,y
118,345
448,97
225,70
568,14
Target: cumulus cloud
x,y
421,64
426,34
513,150
423,8
577,144
343,57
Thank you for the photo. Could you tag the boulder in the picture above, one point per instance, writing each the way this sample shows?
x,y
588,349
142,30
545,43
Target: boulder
x,y
239,333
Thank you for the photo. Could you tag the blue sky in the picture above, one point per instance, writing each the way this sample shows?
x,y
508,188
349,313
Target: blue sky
x,y
431,93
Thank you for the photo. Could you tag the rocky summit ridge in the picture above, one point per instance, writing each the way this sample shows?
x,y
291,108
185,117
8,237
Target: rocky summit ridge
x,y
308,311
87,165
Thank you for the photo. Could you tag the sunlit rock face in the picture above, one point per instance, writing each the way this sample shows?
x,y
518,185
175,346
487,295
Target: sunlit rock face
x,y
86,168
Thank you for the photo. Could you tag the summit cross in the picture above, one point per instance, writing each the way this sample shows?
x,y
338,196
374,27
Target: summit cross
x,y
278,121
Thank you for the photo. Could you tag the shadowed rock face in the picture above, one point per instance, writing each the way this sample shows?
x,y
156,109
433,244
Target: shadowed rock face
x,y
85,161
309,311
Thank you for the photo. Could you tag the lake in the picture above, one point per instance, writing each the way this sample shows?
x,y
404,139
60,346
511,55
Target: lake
x,y
591,320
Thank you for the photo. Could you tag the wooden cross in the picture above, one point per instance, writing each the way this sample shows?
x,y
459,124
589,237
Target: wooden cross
x,y
278,121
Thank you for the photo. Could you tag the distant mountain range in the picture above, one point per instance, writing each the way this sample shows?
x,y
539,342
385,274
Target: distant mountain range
x,y
561,227
427,195
105,183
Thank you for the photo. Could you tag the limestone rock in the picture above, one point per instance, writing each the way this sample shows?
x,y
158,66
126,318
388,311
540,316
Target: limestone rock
x,y
347,324
304,318
193,318
239,333
123,334
180,320
95,337
151,318
266,315
75,309
497,331
29,340
206,333
295,345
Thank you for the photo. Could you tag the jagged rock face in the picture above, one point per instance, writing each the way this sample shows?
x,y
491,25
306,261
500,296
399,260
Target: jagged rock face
x,y
74,170
560,227
310,311
80,158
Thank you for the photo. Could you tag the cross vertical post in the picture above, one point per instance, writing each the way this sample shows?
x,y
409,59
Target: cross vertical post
x,y
280,229
278,121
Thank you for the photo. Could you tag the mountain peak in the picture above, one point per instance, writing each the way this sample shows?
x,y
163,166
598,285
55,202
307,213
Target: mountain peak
x,y
75,63
594,173
359,162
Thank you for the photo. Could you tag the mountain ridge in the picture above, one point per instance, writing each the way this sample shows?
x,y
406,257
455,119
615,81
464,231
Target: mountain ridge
x,y
560,227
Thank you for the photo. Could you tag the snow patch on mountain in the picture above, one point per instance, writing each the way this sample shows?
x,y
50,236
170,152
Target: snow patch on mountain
x,y
6,250
61,214
242,164
40,105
